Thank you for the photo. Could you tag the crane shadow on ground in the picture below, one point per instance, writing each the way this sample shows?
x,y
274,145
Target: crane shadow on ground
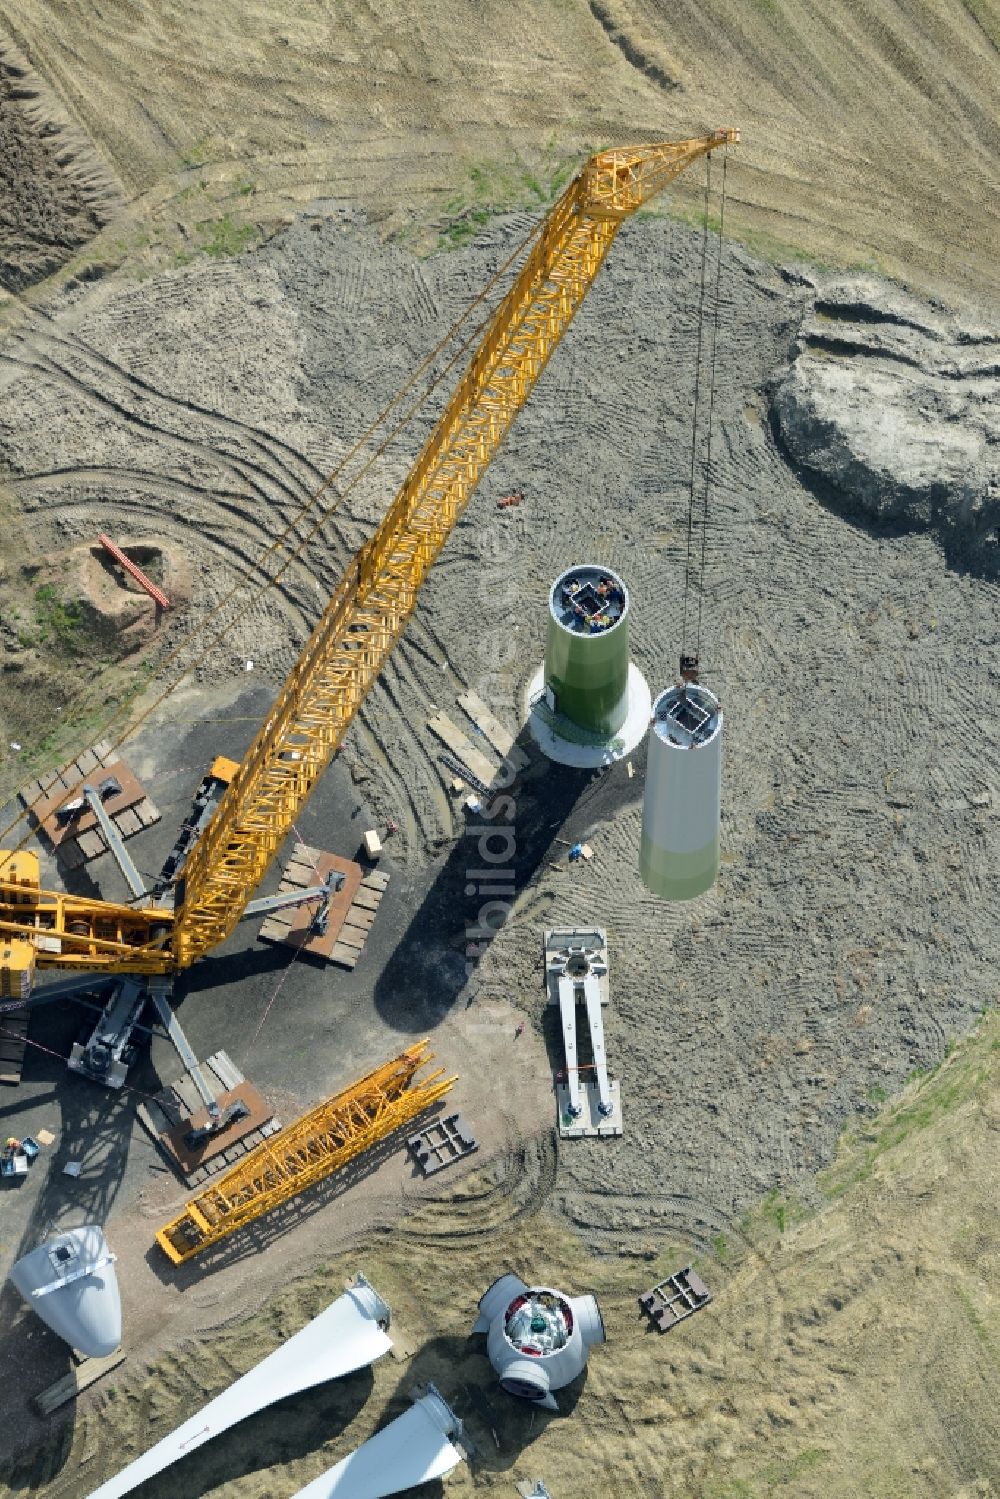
x,y
531,823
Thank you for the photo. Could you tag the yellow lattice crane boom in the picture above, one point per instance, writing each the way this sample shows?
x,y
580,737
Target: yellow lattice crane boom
x,y
368,612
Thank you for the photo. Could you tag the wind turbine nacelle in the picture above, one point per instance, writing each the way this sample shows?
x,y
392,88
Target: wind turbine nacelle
x,y
537,1339
70,1282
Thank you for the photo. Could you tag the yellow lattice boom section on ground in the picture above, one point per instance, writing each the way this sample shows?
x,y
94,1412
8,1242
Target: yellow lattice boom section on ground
x,y
307,1151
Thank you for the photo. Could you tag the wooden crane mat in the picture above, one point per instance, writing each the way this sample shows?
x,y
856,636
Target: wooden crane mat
x,y
13,1040
178,1108
352,909
81,839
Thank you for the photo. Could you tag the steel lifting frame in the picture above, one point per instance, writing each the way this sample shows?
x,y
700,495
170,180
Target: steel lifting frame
x,y
307,1151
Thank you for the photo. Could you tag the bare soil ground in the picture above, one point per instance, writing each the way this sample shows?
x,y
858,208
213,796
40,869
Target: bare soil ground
x,y
210,400
54,192
851,1352
845,943
870,132
848,940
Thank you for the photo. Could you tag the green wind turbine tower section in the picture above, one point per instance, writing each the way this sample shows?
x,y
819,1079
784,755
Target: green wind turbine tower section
x,y
586,654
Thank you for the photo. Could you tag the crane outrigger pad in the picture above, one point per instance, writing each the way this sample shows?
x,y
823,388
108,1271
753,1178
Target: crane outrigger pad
x,y
350,911
177,1109
71,829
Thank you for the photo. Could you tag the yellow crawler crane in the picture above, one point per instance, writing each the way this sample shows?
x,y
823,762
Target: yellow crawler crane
x,y
370,608
307,1151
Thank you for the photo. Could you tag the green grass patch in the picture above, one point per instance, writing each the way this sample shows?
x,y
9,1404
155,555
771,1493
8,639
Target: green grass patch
x,y
196,155
58,619
772,1216
728,1488
787,1470
495,187
224,236
966,1069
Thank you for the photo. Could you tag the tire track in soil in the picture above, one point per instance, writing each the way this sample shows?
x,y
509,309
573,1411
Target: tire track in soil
x,y
512,1187
45,333
388,717
241,558
272,447
255,477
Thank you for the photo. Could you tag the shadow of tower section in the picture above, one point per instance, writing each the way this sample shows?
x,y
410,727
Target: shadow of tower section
x,y
523,822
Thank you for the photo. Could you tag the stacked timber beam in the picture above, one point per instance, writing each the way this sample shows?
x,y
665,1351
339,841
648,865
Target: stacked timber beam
x,y
179,1107
13,1040
467,758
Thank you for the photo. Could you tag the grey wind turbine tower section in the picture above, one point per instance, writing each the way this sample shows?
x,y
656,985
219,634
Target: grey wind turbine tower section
x,y
349,1335
679,852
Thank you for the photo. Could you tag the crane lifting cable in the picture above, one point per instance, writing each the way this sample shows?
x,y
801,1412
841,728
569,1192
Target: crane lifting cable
x,y
708,478
690,660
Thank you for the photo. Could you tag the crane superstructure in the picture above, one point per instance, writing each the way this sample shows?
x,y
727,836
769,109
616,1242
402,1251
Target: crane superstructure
x,y
368,612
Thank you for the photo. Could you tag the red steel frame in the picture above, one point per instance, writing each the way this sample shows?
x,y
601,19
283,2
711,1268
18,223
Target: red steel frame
x,y
137,572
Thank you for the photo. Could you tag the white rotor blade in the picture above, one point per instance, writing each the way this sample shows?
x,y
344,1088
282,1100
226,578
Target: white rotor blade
x,y
345,1337
410,1450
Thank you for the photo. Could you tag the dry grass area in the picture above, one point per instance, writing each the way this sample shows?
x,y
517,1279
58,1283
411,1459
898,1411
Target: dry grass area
x,y
870,131
853,1351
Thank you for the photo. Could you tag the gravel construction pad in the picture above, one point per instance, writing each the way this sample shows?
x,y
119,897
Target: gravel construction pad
x,y
848,937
